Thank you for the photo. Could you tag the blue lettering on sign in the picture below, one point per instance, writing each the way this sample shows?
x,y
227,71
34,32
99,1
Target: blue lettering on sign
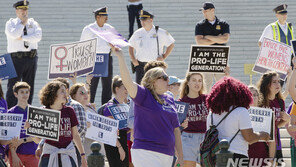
x,y
99,58
2,61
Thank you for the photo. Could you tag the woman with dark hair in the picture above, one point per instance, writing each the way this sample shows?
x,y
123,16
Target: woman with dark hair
x,y
231,95
271,97
62,152
117,156
193,93
156,125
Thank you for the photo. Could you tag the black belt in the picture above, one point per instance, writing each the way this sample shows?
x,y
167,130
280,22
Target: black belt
x,y
30,54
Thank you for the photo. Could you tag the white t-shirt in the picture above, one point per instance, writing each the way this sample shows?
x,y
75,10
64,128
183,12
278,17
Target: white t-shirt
x,y
145,43
268,32
238,119
102,45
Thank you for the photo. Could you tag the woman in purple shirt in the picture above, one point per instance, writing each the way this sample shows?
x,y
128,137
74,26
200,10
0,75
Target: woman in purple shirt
x,y
156,126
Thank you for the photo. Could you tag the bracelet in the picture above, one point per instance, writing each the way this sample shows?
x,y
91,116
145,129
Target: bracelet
x,y
82,154
119,147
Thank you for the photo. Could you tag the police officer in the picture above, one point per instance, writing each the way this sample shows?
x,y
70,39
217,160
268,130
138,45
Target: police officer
x,y
23,35
100,24
134,7
211,31
148,42
279,30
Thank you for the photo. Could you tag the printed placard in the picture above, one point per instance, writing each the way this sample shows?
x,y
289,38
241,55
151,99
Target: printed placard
x,y
7,69
10,125
102,129
273,56
182,109
262,119
44,123
120,113
68,58
101,65
209,59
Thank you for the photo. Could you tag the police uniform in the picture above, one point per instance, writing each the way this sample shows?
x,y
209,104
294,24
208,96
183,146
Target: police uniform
x,y
103,48
276,31
23,52
146,46
215,28
134,9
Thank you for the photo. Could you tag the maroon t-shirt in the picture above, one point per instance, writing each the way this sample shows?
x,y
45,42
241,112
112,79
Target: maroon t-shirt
x,y
197,114
276,107
68,120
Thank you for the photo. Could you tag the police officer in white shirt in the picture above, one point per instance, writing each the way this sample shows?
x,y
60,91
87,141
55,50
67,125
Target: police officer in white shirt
x,y
101,17
23,35
148,42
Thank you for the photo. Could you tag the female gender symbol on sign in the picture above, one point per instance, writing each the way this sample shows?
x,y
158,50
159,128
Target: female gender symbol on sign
x,y
61,66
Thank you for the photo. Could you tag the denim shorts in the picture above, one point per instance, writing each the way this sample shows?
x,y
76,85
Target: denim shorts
x,y
191,146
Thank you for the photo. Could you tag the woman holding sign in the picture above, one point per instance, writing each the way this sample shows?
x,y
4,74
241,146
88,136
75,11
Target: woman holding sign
x,y
62,152
271,97
156,125
193,93
117,156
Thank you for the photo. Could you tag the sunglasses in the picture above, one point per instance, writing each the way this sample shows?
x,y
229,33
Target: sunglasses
x,y
164,77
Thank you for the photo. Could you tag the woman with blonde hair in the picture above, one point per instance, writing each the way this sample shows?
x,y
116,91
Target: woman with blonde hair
x,y
156,126
193,93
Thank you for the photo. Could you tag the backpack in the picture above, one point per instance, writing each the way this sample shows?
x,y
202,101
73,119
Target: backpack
x,y
210,145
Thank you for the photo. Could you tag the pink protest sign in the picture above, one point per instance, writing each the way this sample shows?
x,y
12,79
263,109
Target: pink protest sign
x,y
273,56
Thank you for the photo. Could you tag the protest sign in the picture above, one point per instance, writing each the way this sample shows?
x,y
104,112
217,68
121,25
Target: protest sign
x,y
10,125
120,113
68,58
182,110
44,123
210,59
273,56
111,36
262,119
7,69
102,129
101,65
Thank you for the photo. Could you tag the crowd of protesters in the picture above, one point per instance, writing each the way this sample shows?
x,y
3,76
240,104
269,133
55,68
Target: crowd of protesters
x,y
154,136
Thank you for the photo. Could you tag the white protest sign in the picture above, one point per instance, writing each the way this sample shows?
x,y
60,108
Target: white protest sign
x,y
68,58
273,56
10,125
102,129
262,119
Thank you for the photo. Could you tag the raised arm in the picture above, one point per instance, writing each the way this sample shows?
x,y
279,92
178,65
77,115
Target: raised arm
x,y
125,75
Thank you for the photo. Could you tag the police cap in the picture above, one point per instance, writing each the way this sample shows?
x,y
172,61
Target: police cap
x,y
101,11
281,9
144,15
207,5
21,4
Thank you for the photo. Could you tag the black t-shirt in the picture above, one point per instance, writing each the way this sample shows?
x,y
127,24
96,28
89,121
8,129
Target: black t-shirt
x,y
204,27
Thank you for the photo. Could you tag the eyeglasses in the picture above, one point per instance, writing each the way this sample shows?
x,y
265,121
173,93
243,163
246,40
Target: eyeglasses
x,y
164,77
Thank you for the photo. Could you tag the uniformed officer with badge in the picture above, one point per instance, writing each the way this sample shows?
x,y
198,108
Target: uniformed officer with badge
x,y
279,30
148,42
23,35
211,31
100,25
